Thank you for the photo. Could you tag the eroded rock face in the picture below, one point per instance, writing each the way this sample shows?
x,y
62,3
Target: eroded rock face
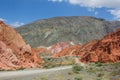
x,y
7,58
14,52
105,50
55,48
68,51
10,36
60,49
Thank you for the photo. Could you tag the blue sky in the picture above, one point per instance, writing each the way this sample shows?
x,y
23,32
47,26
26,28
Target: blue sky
x,y
19,12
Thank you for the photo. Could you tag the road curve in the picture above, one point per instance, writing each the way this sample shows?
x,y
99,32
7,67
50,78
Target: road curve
x,y
22,73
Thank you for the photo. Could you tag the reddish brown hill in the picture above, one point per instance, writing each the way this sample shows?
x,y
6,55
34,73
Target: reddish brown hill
x,y
14,52
55,48
58,47
68,51
10,36
105,50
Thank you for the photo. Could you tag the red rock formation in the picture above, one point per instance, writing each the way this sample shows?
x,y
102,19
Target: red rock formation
x,y
59,49
10,36
56,48
105,50
40,50
7,58
68,51
14,52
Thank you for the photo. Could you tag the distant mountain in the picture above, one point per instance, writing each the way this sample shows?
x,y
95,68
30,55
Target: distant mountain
x,y
79,29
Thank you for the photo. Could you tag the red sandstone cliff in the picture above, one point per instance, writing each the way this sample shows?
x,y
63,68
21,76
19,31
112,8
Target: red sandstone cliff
x,y
68,51
55,48
104,50
14,52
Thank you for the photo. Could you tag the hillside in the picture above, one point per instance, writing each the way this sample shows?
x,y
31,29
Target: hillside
x,y
79,29
104,50
14,52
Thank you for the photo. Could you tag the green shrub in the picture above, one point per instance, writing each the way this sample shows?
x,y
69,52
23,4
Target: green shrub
x,y
100,75
70,73
91,70
43,78
98,79
21,68
77,68
76,78
98,64
49,65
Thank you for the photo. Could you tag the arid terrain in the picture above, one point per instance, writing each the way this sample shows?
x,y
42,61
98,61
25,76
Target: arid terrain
x,y
66,59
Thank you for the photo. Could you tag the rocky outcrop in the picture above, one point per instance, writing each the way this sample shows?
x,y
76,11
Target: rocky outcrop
x,y
10,36
41,50
68,51
14,52
7,58
55,48
104,50
60,49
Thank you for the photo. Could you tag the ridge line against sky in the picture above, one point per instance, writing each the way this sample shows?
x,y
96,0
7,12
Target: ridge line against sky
x,y
112,5
20,12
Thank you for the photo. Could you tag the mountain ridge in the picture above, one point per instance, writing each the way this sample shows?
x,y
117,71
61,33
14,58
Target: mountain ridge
x,y
79,29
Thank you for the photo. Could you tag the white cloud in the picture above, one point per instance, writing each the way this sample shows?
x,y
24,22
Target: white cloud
x,y
97,3
91,9
2,19
13,24
16,24
92,4
116,13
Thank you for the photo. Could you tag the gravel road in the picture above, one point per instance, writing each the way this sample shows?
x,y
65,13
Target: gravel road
x,y
7,75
